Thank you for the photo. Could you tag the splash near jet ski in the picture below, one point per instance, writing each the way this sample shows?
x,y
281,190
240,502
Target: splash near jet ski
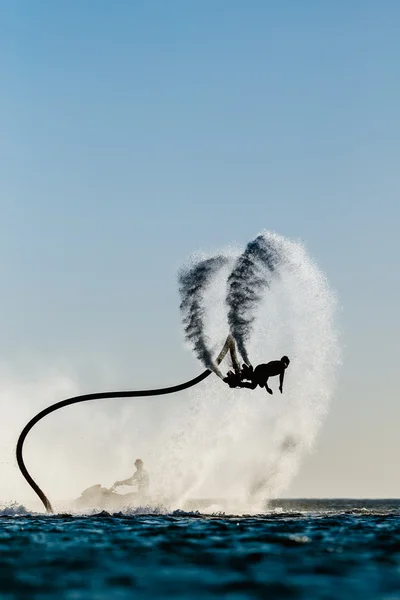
x,y
101,395
107,499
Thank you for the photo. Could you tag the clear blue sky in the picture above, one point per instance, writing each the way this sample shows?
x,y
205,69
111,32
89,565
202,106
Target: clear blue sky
x,y
134,133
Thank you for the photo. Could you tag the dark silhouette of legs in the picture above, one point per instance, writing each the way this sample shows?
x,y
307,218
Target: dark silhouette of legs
x,y
251,385
247,372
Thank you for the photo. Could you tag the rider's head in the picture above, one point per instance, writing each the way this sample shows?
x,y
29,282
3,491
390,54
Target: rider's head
x,y
138,463
285,361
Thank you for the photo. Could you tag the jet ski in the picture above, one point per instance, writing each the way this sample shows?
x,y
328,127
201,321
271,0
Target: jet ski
x,y
99,497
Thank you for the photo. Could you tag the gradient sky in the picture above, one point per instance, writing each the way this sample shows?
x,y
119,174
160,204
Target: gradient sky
x,y
135,133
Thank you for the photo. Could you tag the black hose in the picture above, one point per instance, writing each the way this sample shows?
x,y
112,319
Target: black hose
x,y
84,398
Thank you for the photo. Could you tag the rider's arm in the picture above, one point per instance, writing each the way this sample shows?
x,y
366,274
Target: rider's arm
x,y
281,376
129,481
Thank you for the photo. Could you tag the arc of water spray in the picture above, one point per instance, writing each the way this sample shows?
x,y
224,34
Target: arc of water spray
x,y
97,396
192,283
250,275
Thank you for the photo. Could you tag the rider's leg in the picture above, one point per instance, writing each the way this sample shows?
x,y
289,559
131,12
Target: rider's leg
x,y
247,372
234,358
251,385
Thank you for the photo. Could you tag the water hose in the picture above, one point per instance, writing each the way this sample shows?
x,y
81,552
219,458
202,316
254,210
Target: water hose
x,y
229,345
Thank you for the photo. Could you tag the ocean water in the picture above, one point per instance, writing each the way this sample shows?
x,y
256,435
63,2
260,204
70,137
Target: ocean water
x,y
295,549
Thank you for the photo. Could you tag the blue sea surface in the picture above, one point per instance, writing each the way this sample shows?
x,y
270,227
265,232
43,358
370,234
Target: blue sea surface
x,y
297,549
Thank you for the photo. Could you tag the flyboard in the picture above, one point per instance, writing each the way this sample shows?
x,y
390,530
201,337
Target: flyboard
x,y
101,496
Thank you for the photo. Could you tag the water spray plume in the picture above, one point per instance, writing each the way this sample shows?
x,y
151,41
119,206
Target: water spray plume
x,y
246,446
239,445
246,284
193,282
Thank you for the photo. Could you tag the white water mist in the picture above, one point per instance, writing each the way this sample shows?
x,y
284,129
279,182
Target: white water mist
x,y
237,445
245,446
